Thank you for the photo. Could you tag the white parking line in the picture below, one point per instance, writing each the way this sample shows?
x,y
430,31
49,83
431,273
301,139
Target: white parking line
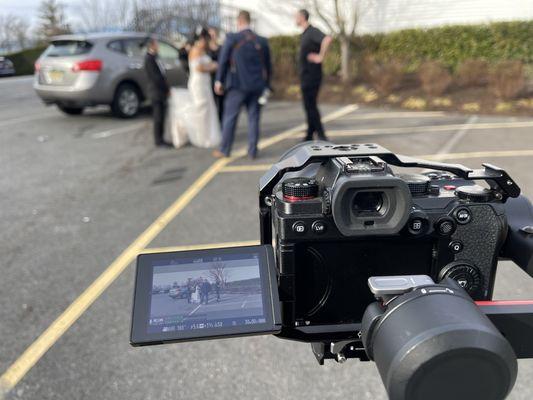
x,y
193,311
27,78
459,135
115,131
27,118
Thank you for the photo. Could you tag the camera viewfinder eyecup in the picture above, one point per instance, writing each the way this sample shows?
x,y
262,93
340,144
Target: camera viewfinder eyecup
x,y
452,352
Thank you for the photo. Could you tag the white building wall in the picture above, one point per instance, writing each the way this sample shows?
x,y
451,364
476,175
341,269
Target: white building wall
x,y
274,17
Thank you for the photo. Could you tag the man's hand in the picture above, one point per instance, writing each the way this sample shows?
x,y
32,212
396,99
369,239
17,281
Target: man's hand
x,y
315,58
219,89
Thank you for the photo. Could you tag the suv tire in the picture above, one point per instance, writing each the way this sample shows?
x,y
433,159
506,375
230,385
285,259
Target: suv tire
x,y
70,110
127,101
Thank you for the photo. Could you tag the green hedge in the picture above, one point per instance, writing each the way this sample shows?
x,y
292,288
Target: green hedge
x,y
448,44
24,60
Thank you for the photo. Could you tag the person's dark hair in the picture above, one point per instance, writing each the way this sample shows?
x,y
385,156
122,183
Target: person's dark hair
x,y
244,15
201,33
304,13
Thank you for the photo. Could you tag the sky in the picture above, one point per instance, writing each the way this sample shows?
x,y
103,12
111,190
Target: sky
x,y
28,8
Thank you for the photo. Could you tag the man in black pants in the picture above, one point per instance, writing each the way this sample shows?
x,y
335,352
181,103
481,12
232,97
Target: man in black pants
x,y
158,90
313,47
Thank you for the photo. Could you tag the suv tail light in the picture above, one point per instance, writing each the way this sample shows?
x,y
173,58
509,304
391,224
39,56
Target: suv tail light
x,y
37,66
87,65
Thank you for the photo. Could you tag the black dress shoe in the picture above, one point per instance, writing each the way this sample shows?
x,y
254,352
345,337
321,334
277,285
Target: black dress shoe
x,y
164,144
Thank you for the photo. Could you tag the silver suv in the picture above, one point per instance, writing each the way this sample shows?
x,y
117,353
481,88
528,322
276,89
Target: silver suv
x,y
76,71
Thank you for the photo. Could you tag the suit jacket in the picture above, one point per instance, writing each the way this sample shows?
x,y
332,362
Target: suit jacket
x,y
244,62
157,82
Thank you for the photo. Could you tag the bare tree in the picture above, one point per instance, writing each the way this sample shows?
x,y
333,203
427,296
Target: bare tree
x,y
20,28
339,17
219,273
98,15
52,20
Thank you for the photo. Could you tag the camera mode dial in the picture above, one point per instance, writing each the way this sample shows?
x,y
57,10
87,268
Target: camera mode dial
x,y
466,275
295,189
418,184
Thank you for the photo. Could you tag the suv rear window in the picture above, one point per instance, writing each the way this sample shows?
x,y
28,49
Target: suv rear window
x,y
62,48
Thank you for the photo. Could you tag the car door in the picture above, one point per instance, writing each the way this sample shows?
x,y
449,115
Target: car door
x,y
169,56
135,50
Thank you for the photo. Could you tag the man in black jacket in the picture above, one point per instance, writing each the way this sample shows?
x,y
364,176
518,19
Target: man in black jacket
x,y
313,47
158,90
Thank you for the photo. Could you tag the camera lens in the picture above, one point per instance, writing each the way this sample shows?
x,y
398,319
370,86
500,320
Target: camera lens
x,y
367,202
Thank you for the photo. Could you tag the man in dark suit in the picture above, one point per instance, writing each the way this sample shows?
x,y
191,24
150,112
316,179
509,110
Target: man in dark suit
x,y
158,90
313,47
243,74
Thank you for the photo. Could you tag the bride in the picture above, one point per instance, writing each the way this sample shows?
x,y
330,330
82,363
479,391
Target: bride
x,y
200,117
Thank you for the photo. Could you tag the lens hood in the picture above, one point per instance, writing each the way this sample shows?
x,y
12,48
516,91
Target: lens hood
x,y
435,343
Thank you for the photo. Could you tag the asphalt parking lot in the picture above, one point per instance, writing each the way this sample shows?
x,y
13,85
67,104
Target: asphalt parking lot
x,y
83,195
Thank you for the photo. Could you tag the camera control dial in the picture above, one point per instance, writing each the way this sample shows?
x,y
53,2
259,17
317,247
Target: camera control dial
x,y
474,193
301,188
466,275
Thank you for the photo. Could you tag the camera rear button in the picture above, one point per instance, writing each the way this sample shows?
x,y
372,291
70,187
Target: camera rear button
x,y
455,246
416,226
299,227
318,227
445,226
463,215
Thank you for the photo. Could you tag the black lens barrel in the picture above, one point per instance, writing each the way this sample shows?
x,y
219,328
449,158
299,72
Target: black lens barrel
x,y
434,343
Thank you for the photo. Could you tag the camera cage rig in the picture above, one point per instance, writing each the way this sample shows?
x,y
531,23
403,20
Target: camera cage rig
x,y
514,319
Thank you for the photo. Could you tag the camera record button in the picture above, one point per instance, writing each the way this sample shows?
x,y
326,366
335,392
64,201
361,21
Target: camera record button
x,y
445,226
463,215
299,227
456,246
318,227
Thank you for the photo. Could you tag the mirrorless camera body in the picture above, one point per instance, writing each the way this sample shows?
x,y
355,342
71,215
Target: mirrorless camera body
x,y
364,254
345,216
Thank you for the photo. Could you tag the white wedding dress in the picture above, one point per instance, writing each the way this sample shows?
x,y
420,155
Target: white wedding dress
x,y
204,126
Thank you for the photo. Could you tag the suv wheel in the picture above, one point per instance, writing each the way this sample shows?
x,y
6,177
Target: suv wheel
x,y
70,110
127,101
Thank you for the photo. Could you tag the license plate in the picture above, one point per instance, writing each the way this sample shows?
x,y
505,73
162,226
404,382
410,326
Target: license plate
x,y
55,76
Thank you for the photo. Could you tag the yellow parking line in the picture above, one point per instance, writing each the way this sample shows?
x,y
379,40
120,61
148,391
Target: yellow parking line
x,y
394,114
426,129
445,156
478,154
246,168
199,246
51,335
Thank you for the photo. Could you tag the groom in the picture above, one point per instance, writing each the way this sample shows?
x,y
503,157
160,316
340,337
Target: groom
x,y
243,74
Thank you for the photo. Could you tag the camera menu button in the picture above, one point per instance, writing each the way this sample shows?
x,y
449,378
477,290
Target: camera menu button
x,y
299,228
318,227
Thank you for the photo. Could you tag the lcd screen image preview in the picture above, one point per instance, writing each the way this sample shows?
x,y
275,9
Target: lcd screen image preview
x,y
206,293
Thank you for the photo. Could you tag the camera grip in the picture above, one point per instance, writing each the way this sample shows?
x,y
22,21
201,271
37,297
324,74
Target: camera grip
x,y
519,244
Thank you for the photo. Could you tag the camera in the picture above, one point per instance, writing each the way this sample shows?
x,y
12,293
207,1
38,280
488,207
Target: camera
x,y
364,254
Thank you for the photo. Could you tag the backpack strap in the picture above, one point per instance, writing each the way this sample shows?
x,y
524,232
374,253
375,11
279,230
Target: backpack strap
x,y
249,37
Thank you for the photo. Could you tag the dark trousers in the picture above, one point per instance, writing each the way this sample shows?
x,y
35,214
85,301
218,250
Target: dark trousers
x,y
159,108
314,124
233,102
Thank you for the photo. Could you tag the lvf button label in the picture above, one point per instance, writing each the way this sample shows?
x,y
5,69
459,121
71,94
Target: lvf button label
x,y
318,227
